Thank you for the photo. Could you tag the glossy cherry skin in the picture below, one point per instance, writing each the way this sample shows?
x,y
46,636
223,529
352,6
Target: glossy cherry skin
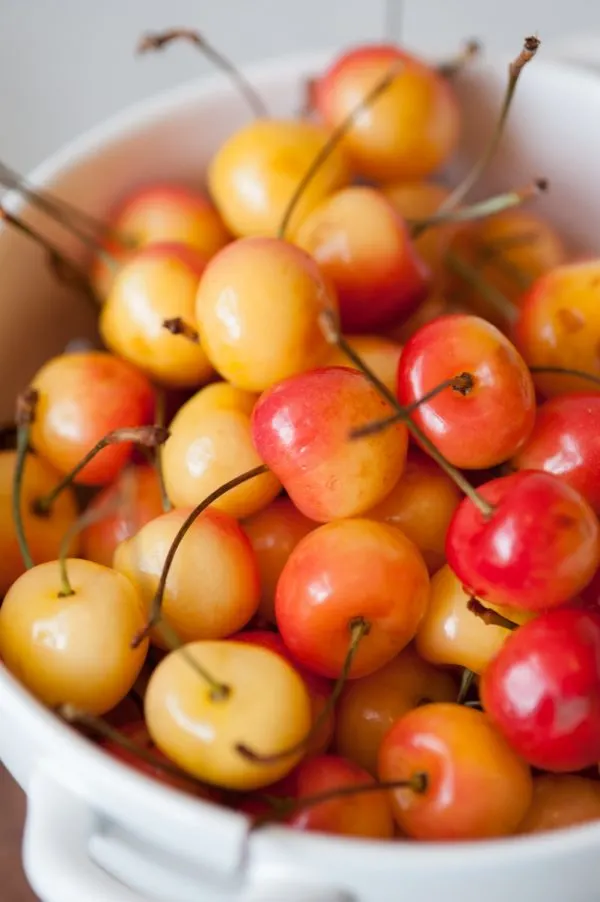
x,y
538,549
477,786
559,801
566,441
542,690
559,326
488,424
410,130
362,244
343,571
82,397
301,429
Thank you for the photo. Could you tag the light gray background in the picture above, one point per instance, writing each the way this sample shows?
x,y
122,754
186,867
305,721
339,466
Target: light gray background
x,y
65,64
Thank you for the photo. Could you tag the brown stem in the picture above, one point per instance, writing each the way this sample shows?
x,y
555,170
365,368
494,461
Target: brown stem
x,y
146,436
490,617
469,52
466,682
160,40
358,629
489,292
25,415
337,135
178,326
564,371
161,401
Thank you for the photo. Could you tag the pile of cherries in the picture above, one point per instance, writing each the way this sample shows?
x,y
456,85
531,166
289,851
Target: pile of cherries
x,y
316,534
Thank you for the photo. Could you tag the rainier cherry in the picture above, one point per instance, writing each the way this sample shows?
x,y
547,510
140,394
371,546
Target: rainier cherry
x,y
301,430
486,423
417,201
346,575
363,246
543,690
475,785
380,354
411,129
538,547
561,800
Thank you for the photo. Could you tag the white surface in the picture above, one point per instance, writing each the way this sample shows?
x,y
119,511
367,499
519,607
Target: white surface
x,y
66,64
81,799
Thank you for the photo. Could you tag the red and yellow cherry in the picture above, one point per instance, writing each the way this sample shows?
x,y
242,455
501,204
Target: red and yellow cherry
x,y
342,574
380,354
131,501
558,326
249,284
319,689
43,532
452,634
73,649
212,589
476,787
369,706
421,504
566,441
559,801
363,245
265,705
154,214
274,532
542,690
486,424
301,430
210,442
82,397
412,127
256,172
418,200
157,283
539,547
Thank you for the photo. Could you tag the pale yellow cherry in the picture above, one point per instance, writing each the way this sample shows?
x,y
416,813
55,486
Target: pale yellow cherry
x,y
419,200
212,589
452,634
266,707
380,354
73,649
255,173
210,443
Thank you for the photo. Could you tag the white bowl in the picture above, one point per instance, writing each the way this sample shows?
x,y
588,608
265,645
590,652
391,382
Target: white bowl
x,y
96,830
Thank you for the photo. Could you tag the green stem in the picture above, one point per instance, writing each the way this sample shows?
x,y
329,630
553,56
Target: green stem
x,y
160,421
564,371
465,684
25,415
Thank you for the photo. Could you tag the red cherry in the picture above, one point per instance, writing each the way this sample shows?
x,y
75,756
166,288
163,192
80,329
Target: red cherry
x,y
538,549
542,690
489,422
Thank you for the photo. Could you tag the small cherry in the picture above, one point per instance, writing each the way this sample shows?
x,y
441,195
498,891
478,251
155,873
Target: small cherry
x,y
559,801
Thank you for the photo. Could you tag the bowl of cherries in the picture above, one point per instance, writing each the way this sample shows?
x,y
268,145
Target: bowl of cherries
x,y
300,485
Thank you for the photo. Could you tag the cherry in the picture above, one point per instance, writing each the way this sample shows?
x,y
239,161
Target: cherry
x,y
256,171
262,700
369,706
252,282
538,549
83,396
363,246
416,201
435,305
274,532
542,690
158,283
411,130
486,424
345,575
300,429
476,787
565,441
71,644
380,354
421,504
559,801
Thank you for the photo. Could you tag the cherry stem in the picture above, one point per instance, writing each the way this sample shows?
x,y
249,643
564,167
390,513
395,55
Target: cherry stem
x,y
160,415
146,436
25,415
178,326
156,606
466,682
563,371
471,49
515,68
359,628
160,40
337,135
490,617
489,292
462,384
480,210
283,808
331,329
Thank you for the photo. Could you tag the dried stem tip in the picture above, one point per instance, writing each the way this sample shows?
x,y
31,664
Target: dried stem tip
x,y
159,40
25,409
530,48
489,617
146,436
177,326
